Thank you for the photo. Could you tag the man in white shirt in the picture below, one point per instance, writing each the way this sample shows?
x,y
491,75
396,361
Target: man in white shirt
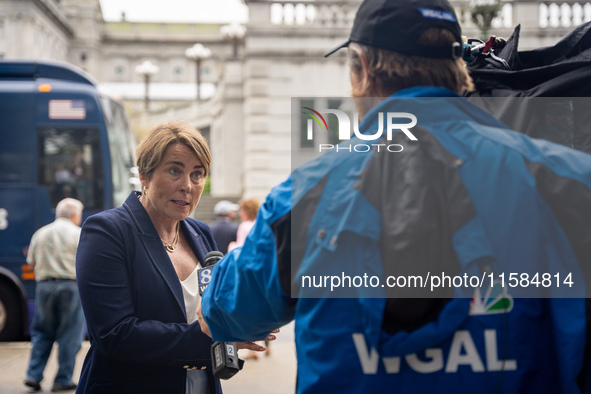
x,y
58,312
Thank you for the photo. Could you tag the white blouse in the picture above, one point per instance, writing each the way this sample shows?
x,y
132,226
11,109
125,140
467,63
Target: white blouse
x,y
191,295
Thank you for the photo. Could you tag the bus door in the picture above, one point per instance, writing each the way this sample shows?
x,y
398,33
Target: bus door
x,y
17,201
17,182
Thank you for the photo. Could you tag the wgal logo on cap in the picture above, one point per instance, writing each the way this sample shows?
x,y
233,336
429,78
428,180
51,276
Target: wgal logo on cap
x,y
437,14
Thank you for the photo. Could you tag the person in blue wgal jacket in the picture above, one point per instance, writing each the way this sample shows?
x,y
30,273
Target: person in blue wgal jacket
x,y
457,264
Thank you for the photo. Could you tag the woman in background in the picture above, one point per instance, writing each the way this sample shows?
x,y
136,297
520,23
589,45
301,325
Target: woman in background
x,y
248,210
137,274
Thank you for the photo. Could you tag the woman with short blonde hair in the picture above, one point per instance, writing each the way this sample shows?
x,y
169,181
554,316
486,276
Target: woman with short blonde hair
x,y
137,271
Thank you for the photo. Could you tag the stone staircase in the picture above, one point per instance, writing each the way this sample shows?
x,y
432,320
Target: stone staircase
x,y
204,210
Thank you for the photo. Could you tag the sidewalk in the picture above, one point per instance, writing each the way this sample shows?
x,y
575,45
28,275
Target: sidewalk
x,y
273,374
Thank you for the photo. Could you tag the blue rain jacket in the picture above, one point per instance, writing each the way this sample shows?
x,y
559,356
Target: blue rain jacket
x,y
467,197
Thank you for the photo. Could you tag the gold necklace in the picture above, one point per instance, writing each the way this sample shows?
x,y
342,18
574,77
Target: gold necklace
x,y
175,241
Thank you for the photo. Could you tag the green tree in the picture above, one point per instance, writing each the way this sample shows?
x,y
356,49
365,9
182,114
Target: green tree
x,y
483,12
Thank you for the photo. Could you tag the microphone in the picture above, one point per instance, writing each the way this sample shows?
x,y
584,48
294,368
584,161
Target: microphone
x,y
204,273
224,355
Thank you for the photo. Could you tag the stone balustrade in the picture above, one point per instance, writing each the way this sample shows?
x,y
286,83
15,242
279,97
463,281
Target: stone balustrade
x,y
316,13
563,14
549,15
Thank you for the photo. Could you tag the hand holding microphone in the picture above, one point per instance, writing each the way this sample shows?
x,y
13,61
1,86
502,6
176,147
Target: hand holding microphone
x,y
224,355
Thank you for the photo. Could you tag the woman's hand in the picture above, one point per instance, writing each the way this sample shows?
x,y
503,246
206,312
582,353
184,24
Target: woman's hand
x,y
202,323
239,345
255,346
250,346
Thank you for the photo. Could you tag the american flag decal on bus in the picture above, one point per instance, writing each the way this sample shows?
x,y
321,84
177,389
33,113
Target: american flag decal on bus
x,y
67,109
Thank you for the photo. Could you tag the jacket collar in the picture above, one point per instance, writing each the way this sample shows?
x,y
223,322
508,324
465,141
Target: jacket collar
x,y
430,105
155,249
140,216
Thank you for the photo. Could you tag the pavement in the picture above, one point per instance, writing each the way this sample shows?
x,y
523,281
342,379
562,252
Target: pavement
x,y
272,374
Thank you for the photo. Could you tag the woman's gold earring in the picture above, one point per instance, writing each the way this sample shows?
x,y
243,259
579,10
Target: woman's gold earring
x,y
145,191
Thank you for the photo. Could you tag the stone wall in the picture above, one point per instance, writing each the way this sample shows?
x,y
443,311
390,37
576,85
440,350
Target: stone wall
x,y
246,113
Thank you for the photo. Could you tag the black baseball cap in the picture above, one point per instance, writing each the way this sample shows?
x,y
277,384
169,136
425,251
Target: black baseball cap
x,y
396,25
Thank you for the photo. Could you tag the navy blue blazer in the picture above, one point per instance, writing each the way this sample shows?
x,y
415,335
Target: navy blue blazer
x,y
134,305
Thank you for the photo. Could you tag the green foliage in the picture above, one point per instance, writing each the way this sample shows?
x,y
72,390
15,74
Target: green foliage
x,y
207,187
483,12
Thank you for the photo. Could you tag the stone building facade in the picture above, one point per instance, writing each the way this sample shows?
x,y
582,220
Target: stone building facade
x,y
246,110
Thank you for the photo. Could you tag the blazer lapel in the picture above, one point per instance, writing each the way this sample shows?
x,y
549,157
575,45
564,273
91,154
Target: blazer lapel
x,y
195,241
155,249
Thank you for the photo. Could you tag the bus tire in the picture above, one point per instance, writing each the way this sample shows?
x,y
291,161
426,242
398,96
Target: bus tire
x,y
10,319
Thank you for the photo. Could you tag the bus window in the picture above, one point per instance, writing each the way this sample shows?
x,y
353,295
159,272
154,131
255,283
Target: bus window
x,y
16,161
17,150
122,147
70,165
